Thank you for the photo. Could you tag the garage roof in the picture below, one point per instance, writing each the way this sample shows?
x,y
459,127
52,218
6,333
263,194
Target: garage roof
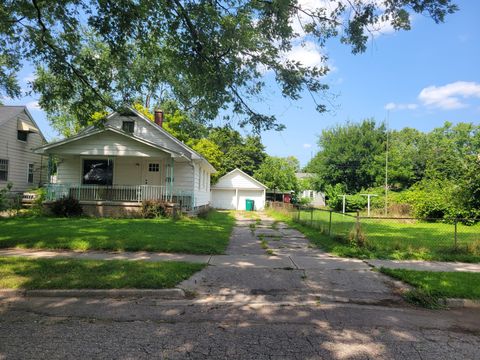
x,y
237,179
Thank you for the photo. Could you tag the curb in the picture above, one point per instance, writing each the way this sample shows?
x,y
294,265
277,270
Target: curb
x,y
167,294
461,303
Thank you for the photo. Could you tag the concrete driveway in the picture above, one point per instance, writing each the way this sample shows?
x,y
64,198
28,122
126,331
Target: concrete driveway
x,y
270,259
298,304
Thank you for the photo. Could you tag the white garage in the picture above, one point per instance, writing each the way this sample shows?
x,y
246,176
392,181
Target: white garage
x,y
233,189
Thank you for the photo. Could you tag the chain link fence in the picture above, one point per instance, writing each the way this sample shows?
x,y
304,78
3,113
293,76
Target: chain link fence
x,y
390,234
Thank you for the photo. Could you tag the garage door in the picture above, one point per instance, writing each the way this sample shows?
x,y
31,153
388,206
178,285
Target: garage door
x,y
224,199
256,195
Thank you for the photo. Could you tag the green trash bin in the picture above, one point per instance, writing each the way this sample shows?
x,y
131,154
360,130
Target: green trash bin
x,y
249,205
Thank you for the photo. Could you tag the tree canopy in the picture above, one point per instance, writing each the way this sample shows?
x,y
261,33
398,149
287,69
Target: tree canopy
x,y
440,168
278,174
97,55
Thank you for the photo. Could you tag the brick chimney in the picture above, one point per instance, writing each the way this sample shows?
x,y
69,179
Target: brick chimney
x,y
158,117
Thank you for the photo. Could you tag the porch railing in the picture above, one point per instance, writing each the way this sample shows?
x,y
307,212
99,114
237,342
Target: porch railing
x,y
121,193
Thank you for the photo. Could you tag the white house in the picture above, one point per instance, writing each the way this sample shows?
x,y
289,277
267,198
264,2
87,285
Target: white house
x,y
19,134
317,198
128,160
233,189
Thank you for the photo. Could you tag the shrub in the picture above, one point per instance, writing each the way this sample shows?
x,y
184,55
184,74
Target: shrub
x,y
37,205
5,197
152,209
204,213
67,207
304,201
357,237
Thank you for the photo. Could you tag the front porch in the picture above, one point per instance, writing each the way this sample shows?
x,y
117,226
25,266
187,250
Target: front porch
x,y
90,194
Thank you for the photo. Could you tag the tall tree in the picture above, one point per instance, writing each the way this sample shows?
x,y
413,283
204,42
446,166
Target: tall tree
x,y
348,154
208,55
278,174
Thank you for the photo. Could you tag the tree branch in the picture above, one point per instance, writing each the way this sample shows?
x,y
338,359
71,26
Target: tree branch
x,y
63,58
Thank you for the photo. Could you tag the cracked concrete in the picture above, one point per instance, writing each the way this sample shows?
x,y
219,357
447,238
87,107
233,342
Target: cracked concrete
x,y
296,305
294,268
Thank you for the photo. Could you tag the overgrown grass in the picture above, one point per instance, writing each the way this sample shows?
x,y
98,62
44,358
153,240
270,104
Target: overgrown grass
x,y
187,235
388,239
463,285
23,273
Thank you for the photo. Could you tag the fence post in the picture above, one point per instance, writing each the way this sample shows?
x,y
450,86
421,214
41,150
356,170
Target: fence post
x,y
357,227
455,235
330,224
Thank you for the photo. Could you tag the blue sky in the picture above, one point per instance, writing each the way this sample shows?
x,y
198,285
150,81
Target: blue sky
x,y
418,78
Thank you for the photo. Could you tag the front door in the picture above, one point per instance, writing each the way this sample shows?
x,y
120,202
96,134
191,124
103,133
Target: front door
x,y
152,172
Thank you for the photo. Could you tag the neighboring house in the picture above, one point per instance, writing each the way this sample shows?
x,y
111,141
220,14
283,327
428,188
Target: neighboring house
x,y
233,189
317,198
113,168
19,165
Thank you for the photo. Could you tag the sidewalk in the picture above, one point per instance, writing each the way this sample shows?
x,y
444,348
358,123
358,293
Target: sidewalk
x,y
298,260
424,265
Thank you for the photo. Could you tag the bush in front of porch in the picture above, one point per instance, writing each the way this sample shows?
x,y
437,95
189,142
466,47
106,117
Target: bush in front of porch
x,y
187,235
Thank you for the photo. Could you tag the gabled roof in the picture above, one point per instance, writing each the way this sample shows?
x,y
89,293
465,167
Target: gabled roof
x,y
8,112
91,130
304,175
83,135
237,170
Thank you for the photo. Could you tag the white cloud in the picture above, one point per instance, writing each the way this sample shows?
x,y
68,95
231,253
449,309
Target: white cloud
x,y
33,105
307,146
307,54
448,97
395,106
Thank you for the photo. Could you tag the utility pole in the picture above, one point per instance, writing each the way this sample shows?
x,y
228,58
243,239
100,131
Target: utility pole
x,y
386,168
368,201
344,201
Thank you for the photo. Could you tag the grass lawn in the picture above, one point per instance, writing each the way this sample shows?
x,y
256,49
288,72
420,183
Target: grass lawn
x,y
463,285
187,235
389,239
23,273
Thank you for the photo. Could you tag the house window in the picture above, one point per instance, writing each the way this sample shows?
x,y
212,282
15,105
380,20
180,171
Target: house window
x,y
30,174
3,169
22,135
128,126
153,167
97,172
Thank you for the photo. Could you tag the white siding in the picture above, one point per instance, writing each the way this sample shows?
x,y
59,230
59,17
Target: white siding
x,y
69,170
19,154
128,171
256,195
146,131
201,185
237,179
183,176
108,144
227,199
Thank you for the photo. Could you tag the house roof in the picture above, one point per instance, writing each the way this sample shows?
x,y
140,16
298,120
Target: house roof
x,y
170,136
303,175
80,136
8,112
91,130
237,170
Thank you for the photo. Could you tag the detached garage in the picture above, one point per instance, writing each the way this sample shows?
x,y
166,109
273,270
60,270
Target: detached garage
x,y
233,189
